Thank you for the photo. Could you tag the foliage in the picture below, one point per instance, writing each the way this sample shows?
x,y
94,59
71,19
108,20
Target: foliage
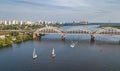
x,y
111,25
26,37
2,42
14,33
21,38
6,41
18,39
21,27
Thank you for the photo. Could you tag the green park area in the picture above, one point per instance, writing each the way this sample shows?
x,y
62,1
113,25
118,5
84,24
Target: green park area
x,y
14,37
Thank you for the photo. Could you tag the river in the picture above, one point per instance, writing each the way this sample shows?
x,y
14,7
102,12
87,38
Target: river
x,y
85,56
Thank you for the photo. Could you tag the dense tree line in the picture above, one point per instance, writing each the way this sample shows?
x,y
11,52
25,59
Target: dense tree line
x,y
13,38
111,25
20,27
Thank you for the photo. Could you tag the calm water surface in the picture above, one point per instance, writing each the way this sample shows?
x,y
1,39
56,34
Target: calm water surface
x,y
85,56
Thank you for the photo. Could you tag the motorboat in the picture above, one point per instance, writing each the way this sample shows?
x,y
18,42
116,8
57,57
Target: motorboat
x,y
73,44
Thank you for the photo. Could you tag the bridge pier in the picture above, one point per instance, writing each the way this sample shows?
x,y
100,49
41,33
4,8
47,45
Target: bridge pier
x,y
92,37
63,37
34,36
38,38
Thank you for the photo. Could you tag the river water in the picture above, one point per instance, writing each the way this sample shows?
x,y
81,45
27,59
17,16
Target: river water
x,y
100,55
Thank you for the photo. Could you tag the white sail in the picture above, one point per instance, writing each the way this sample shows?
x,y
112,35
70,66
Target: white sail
x,y
53,51
34,53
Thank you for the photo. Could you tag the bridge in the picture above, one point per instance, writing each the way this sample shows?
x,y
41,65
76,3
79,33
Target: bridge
x,y
54,30
93,33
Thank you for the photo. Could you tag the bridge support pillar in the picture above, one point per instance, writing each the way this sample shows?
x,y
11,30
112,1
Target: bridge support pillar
x,y
92,37
63,37
34,36
39,37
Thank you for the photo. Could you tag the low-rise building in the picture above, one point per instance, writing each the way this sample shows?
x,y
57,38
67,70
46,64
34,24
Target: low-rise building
x,y
2,36
5,22
1,22
28,22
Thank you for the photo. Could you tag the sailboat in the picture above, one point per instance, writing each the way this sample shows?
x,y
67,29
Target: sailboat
x,y
34,54
53,53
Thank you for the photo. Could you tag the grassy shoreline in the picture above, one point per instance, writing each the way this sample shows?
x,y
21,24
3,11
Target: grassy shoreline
x,y
9,40
110,25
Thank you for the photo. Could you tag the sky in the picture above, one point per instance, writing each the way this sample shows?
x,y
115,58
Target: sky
x,y
61,10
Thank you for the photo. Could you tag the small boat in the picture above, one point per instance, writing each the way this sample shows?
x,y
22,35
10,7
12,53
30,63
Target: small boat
x,y
73,44
34,54
53,53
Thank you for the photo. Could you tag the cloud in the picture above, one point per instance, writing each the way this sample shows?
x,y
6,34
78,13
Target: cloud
x,y
94,10
39,4
54,4
32,3
69,3
113,1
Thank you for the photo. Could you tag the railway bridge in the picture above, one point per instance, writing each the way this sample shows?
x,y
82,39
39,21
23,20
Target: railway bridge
x,y
54,30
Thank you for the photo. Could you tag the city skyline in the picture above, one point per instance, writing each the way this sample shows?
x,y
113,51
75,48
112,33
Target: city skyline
x,y
61,10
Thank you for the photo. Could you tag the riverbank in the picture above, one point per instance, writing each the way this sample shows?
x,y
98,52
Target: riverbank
x,y
9,39
110,25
